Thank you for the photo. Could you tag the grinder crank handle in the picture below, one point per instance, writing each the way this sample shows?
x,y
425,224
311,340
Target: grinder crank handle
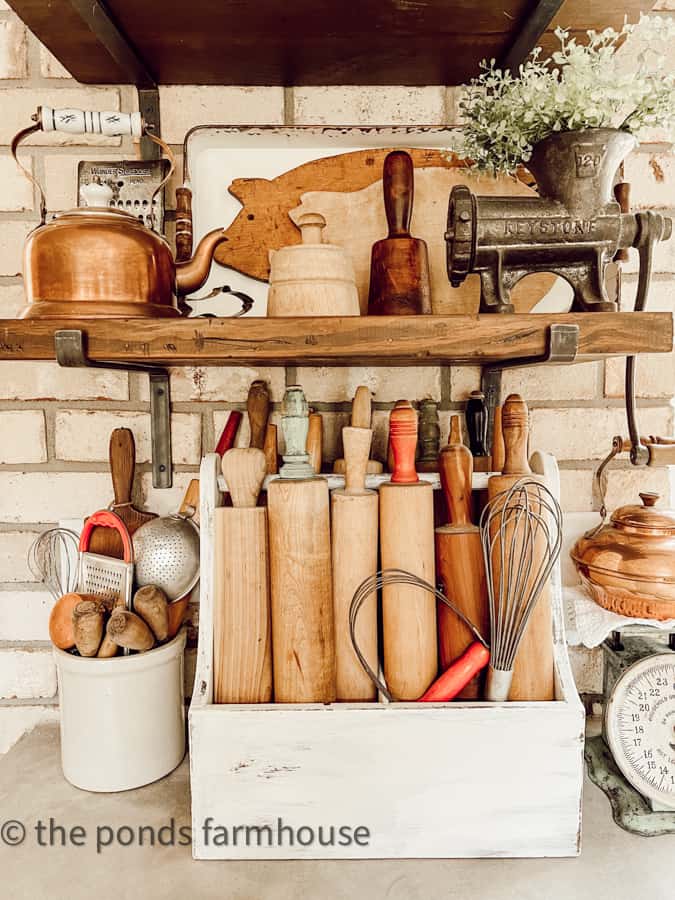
x,y
398,186
458,675
651,228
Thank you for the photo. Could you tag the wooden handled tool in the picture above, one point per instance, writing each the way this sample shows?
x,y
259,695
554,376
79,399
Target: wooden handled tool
x,y
183,224
315,441
258,408
497,462
271,449
459,563
533,669
303,631
407,542
361,418
399,266
122,456
354,512
241,619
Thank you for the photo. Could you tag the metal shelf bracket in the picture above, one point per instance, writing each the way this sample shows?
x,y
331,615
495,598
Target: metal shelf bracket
x,y
71,352
563,346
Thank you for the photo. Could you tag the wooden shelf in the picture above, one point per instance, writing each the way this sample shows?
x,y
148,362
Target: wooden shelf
x,y
304,42
382,340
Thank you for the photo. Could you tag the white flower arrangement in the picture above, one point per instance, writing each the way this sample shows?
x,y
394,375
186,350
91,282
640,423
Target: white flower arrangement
x,y
579,86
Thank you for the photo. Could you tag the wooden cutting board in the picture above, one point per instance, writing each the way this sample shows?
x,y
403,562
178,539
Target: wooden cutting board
x,y
347,190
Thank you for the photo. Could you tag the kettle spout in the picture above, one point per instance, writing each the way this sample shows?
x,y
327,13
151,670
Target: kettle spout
x,y
192,274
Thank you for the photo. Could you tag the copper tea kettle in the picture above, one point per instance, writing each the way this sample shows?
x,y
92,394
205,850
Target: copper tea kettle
x,y
97,261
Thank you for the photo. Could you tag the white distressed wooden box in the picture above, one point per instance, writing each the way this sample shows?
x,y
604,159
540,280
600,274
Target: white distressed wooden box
x,y
426,780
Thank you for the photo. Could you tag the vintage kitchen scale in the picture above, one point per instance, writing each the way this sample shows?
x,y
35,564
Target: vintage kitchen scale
x,y
633,760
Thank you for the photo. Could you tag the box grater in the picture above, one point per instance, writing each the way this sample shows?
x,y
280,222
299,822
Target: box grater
x,y
101,575
133,182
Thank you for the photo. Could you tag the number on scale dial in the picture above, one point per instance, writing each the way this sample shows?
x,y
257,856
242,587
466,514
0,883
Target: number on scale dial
x,y
640,727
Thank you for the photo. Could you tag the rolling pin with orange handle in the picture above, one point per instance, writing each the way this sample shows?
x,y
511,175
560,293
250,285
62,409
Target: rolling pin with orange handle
x,y
407,542
459,562
533,668
354,512
241,616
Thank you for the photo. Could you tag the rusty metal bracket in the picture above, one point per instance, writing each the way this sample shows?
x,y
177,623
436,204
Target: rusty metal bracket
x,y
71,352
563,347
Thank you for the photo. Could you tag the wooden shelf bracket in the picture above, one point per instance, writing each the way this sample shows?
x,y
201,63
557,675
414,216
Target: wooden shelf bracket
x,y
562,347
71,352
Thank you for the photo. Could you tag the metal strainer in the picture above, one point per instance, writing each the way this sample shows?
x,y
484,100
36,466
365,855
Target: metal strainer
x,y
167,555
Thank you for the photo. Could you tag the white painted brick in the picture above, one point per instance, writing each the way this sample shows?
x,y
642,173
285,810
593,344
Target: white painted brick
x,y
84,435
625,485
12,237
50,496
576,490
661,296
14,546
184,106
228,384
338,385
50,67
18,104
651,177
13,49
3,6
165,501
15,721
24,615
655,376
587,669
586,433
24,438
27,674
575,525
664,6
578,382
463,380
381,105
17,191
380,426
48,381
11,300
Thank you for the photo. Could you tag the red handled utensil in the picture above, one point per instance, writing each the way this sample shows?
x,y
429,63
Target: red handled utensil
x,y
458,674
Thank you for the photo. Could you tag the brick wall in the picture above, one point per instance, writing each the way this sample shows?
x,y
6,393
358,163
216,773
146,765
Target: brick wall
x,y
55,423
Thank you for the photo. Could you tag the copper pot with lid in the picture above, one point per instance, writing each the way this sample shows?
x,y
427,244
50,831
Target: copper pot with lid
x,y
98,261
628,565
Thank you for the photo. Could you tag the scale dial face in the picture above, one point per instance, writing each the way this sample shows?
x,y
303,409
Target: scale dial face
x,y
640,727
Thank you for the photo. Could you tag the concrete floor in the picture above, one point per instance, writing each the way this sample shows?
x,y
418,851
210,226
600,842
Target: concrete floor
x,y
613,864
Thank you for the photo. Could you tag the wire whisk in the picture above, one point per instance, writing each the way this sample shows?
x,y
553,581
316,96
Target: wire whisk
x,y
521,534
52,559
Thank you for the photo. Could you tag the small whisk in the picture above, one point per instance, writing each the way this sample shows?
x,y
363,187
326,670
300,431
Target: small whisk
x,y
52,559
521,534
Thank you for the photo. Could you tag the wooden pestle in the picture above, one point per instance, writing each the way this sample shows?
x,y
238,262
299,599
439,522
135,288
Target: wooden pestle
x,y
459,562
361,418
242,630
533,669
407,542
303,631
354,512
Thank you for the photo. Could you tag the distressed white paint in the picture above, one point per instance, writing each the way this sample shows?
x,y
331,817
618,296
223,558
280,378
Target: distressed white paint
x,y
441,780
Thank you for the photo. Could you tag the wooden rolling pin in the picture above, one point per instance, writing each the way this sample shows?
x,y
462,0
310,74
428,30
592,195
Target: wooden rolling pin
x,y
407,542
303,631
361,418
354,542
533,669
315,441
497,441
241,616
459,563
